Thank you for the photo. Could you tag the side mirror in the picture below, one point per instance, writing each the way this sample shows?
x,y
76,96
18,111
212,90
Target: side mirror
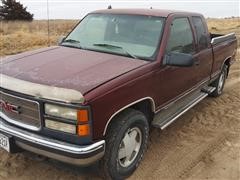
x,y
178,59
61,39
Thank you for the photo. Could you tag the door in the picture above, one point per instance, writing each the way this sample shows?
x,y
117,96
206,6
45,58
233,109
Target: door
x,y
204,49
174,81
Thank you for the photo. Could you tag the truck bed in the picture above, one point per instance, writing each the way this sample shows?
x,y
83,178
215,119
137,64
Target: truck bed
x,y
223,49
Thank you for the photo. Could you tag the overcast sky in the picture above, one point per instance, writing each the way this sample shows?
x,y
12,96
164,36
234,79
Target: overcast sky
x,y
76,9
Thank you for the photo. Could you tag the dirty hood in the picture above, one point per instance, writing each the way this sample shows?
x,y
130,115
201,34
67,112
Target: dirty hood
x,y
69,68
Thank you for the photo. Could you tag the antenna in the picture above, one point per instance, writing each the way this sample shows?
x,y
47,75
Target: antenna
x,y
48,24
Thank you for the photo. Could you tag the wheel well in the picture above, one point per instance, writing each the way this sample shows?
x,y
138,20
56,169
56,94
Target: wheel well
x,y
146,106
227,62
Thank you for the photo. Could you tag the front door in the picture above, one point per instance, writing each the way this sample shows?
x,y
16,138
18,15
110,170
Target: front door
x,y
175,81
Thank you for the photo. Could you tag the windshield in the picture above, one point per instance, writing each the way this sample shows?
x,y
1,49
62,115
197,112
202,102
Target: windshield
x,y
128,35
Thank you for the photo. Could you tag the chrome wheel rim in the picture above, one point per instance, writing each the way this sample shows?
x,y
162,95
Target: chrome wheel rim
x,y
129,147
221,82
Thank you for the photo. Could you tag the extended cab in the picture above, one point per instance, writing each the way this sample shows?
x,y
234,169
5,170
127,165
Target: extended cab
x,y
117,73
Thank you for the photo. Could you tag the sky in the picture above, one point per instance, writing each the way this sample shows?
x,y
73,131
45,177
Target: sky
x,y
76,9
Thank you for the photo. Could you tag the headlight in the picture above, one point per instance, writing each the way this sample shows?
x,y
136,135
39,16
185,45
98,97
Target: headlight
x,y
60,111
59,126
54,112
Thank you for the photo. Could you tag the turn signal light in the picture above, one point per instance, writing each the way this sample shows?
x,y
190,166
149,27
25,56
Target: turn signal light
x,y
82,115
83,130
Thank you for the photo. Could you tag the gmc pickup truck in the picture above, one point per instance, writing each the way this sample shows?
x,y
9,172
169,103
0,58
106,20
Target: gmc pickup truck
x,y
93,97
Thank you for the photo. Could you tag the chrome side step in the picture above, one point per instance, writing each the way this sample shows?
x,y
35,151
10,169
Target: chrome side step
x,y
167,116
208,89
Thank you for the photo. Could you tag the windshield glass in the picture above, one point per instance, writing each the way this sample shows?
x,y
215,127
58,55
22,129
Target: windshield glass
x,y
128,35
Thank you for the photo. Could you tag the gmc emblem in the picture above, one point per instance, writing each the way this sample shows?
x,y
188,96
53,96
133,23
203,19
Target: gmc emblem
x,y
9,107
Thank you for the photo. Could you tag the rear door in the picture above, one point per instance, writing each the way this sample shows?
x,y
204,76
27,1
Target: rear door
x,y
204,50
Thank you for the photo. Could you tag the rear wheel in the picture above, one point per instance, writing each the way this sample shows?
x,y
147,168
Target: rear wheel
x,y
126,142
220,82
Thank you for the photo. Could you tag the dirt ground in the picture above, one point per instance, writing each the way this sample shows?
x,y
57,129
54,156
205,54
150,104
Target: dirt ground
x,y
203,144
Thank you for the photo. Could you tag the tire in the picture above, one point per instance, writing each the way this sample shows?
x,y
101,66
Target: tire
x,y
220,82
130,127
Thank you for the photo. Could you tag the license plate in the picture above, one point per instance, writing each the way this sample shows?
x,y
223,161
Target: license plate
x,y
4,142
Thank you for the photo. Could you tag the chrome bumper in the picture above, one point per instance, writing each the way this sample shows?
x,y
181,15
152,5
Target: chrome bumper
x,y
62,151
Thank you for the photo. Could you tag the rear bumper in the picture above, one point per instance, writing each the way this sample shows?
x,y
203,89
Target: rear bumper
x,y
62,151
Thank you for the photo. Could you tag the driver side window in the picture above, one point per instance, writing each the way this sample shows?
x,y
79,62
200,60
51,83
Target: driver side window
x,y
181,37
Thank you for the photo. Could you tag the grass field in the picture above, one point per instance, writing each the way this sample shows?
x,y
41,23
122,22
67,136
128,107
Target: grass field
x,y
16,37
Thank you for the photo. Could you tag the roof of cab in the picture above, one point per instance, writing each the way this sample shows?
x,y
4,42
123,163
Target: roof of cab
x,y
146,12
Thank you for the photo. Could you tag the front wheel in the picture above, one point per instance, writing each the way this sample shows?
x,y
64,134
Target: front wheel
x,y
220,82
126,142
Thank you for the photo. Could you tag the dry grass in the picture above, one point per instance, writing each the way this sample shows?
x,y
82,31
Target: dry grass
x,y
224,26
16,37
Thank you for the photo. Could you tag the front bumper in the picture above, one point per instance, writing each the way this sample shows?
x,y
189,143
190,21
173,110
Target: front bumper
x,y
62,151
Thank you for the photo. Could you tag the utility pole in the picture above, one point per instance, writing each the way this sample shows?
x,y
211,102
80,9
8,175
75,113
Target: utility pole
x,y
48,23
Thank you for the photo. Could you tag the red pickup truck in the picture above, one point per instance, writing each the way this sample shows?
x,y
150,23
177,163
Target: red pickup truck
x,y
118,72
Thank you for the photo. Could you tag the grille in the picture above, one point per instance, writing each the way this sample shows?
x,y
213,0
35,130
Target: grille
x,y
27,114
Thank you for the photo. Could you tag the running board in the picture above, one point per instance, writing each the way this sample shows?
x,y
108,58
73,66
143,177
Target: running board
x,y
170,113
208,89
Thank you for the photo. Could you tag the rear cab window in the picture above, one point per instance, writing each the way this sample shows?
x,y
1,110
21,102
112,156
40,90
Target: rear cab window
x,y
202,36
181,37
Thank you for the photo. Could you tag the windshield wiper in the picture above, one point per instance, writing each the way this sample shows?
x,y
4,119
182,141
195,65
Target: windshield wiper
x,y
118,47
74,43
71,41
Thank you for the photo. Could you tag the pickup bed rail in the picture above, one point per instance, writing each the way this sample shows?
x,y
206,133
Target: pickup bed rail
x,y
217,38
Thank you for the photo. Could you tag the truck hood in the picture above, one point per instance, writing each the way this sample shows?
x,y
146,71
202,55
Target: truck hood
x,y
68,68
